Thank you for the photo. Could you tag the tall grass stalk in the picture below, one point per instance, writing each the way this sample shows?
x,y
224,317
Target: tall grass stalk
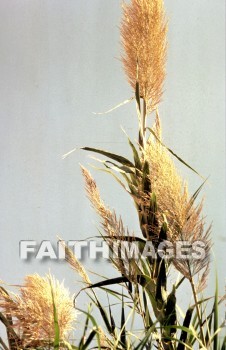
x,y
141,309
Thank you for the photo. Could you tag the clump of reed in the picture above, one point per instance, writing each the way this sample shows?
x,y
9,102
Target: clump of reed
x,y
42,311
165,212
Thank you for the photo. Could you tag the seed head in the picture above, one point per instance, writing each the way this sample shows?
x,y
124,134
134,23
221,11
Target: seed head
x,y
143,38
32,311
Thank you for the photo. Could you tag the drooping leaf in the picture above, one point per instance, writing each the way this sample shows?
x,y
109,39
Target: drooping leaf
x,y
174,154
127,238
140,242
108,282
118,158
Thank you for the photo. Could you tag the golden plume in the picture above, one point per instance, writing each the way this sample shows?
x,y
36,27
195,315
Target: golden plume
x,y
171,191
184,219
32,310
112,226
143,37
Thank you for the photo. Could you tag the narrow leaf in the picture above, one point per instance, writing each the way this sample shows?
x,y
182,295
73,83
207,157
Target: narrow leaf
x,y
161,283
171,316
104,316
186,324
123,330
135,155
92,319
146,178
56,342
195,195
118,158
85,329
174,154
108,282
112,109
111,318
137,94
89,339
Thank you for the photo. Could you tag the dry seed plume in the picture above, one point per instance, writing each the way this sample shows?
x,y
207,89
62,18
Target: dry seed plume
x,y
74,263
32,310
185,220
112,226
171,191
143,38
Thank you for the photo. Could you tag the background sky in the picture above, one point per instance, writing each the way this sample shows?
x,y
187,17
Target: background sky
x,y
59,62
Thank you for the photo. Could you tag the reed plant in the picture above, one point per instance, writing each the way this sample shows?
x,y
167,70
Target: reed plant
x,y
146,289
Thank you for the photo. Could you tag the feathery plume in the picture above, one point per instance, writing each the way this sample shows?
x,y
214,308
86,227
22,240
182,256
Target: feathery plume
x,y
112,226
185,221
32,310
171,191
74,263
143,37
